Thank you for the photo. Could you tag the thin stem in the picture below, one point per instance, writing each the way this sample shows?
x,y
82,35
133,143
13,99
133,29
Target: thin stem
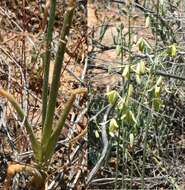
x,y
48,149
47,59
47,130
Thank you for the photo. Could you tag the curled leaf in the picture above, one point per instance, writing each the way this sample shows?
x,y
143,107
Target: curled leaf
x,y
140,68
129,117
122,104
130,90
97,134
143,45
157,91
147,22
159,81
113,127
172,50
131,137
126,72
138,78
112,96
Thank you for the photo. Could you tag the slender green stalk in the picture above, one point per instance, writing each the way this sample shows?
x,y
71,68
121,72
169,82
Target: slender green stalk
x,y
44,150
34,142
147,126
47,130
125,135
119,130
117,157
47,58
49,148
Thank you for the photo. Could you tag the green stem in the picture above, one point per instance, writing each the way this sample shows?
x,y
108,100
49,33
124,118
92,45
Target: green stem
x,y
47,59
47,130
49,148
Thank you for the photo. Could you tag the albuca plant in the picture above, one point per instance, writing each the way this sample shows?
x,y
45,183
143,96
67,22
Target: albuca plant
x,y
43,148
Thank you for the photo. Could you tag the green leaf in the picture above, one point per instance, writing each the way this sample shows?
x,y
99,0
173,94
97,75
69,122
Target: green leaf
x,y
48,148
133,117
140,68
172,50
138,78
113,127
122,106
147,22
130,90
112,96
129,118
159,81
143,45
126,72
157,91
157,103
131,137
97,134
